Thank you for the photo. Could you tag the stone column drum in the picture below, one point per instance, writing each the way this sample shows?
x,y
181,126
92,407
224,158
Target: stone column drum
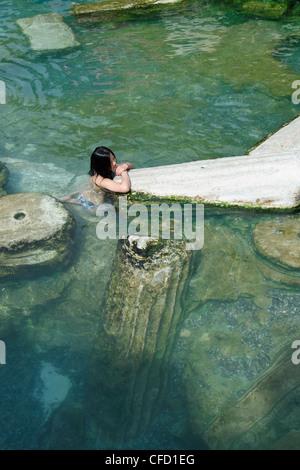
x,y
141,316
35,234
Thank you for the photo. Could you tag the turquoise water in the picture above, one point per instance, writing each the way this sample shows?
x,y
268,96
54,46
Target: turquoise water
x,y
157,89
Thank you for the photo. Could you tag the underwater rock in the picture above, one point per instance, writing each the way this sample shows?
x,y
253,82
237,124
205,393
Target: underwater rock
x,y
279,240
225,354
47,32
295,10
252,65
65,326
45,178
35,234
284,139
3,178
288,442
65,429
142,314
253,422
240,272
54,390
237,325
268,10
20,301
117,5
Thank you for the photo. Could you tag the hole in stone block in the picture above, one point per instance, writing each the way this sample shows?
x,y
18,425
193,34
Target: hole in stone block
x,y
19,215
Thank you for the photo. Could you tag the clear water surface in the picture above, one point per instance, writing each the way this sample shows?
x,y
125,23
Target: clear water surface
x,y
158,89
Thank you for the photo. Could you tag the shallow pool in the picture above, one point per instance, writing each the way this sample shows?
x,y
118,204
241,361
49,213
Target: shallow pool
x,y
195,82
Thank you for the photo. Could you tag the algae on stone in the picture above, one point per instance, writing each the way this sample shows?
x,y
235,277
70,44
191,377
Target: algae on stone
x,y
267,9
47,32
295,11
3,178
117,5
270,10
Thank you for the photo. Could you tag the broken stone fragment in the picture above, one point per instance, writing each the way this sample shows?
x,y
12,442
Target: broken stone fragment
x,y
35,234
3,178
47,32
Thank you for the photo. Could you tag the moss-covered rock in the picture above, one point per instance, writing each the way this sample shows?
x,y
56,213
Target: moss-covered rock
x,y
267,10
3,178
295,11
117,6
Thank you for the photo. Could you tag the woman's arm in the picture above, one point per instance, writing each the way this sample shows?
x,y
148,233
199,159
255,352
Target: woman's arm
x,y
123,187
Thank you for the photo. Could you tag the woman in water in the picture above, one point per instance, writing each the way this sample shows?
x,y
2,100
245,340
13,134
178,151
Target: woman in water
x,y
103,166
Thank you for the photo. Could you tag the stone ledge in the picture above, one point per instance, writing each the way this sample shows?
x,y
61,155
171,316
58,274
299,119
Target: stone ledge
x,y
267,182
267,178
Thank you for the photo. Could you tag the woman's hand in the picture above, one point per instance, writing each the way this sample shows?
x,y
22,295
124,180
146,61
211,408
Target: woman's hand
x,y
123,167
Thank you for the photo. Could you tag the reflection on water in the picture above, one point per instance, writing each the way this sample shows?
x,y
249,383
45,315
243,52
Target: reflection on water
x,y
158,90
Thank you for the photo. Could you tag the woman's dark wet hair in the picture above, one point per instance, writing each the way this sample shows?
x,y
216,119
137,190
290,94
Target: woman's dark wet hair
x,y
100,162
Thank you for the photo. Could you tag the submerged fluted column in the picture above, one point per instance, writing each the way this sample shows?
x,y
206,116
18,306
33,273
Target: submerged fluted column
x,y
141,316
